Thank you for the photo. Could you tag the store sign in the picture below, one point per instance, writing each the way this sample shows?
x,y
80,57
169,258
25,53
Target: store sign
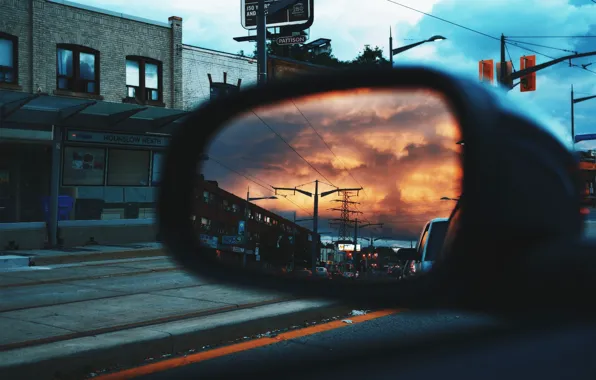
x,y
231,240
241,225
348,247
118,139
208,241
237,249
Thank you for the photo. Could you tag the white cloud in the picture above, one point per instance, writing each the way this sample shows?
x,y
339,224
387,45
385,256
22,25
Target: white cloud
x,y
353,23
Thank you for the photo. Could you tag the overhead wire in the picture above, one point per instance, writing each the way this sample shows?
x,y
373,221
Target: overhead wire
x,y
331,150
270,188
496,38
291,147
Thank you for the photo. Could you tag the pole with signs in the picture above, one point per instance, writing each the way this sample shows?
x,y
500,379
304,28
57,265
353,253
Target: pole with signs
x,y
262,43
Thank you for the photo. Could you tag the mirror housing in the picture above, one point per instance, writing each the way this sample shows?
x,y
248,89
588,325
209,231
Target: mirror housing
x,y
408,254
523,155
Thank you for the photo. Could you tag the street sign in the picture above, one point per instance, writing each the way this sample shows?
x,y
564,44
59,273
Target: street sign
x,y
296,14
290,40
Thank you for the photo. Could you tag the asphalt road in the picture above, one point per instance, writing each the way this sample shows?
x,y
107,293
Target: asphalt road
x,y
398,327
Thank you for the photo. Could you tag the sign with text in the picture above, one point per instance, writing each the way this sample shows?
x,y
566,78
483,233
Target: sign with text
x,y
348,247
241,225
296,14
231,240
118,139
208,241
290,40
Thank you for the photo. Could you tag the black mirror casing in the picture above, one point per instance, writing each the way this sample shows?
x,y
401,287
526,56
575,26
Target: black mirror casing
x,y
490,150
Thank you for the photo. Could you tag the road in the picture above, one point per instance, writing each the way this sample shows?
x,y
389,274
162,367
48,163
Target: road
x,y
305,345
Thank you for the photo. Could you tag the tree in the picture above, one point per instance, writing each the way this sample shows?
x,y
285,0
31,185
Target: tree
x,y
370,56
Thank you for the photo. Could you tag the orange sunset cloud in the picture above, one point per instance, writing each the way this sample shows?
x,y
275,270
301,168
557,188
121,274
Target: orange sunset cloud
x,y
400,146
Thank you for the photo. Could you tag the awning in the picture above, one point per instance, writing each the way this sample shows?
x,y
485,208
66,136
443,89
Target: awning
x,y
84,114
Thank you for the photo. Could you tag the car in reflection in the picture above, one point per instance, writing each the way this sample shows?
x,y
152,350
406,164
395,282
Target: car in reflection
x,y
430,244
322,272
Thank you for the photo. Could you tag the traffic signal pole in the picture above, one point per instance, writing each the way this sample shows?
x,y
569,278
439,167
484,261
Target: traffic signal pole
x,y
503,68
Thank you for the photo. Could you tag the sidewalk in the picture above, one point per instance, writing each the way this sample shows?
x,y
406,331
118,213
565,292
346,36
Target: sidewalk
x,y
72,318
41,257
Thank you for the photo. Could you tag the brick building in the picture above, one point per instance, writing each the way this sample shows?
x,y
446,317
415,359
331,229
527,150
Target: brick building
x,y
218,215
88,99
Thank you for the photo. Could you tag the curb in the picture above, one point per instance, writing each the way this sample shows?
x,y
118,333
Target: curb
x,y
129,348
97,256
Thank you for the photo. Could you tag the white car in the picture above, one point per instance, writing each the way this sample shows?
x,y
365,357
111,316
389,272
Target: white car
x,y
428,248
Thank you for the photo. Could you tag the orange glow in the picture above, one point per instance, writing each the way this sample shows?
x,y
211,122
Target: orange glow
x,y
399,145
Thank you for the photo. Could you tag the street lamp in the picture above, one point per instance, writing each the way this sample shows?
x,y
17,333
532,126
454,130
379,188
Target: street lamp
x,y
573,101
398,50
245,232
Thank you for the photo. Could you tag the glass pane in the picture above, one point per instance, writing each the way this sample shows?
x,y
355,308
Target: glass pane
x,y
87,66
65,65
156,169
128,167
63,83
437,237
83,166
132,92
151,76
9,76
6,50
154,95
132,74
91,87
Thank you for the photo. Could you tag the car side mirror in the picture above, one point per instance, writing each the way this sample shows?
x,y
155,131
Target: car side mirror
x,y
408,254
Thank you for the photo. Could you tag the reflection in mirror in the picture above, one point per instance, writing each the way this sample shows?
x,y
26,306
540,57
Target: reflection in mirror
x,y
330,186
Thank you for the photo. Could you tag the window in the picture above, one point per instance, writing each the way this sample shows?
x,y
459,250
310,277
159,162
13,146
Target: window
x,y
156,169
206,196
235,208
144,80
8,58
205,224
438,231
128,167
83,166
77,69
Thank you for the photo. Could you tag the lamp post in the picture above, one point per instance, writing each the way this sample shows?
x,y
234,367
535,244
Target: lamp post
x,y
248,200
573,101
398,50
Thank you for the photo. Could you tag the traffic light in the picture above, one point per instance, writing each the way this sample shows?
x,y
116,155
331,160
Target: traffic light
x,y
486,70
508,81
527,82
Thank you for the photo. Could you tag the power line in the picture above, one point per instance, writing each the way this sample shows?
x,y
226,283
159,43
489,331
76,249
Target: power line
x,y
542,46
291,147
447,21
211,158
495,38
552,36
331,150
550,57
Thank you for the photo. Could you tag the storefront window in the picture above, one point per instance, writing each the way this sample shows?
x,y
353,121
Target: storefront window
x,y
156,169
128,167
205,224
83,166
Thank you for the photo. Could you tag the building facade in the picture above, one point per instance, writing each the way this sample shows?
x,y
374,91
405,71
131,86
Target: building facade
x,y
88,100
221,219
203,68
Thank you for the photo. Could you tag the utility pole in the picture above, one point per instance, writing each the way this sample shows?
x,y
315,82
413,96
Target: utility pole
x,y
315,224
390,48
262,34
573,101
262,43
503,67
356,237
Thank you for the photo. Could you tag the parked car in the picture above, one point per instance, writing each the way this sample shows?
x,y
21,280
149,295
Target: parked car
x,y
430,244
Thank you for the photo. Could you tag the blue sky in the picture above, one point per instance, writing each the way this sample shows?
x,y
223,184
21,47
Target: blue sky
x,y
351,24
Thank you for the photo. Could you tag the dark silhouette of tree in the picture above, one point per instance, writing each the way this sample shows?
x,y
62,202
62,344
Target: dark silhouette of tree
x,y
370,56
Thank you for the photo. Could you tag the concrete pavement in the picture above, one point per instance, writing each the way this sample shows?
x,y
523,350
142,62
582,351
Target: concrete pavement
x,y
89,311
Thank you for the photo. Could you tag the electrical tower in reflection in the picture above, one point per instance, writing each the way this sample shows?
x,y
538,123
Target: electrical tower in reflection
x,y
344,222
